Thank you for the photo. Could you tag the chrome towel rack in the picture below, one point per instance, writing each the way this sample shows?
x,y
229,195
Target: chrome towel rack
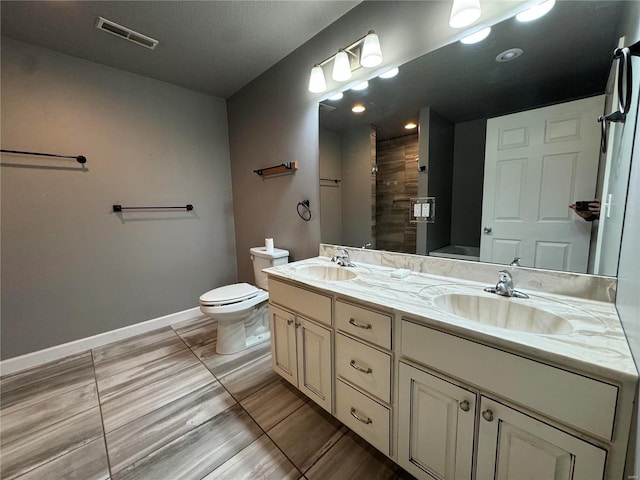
x,y
120,208
81,159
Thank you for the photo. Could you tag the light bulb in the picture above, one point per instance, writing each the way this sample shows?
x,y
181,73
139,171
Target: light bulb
x,y
464,13
536,11
317,83
341,67
390,73
476,37
371,54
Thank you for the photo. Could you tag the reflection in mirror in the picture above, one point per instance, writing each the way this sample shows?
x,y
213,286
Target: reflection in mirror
x,y
504,147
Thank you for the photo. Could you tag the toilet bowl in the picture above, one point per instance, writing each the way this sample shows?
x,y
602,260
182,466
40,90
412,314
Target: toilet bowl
x,y
241,309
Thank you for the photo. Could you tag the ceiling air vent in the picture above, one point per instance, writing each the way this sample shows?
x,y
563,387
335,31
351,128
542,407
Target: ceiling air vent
x,y
126,33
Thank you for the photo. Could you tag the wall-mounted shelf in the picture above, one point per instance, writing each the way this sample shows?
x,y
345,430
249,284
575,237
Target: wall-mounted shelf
x,y
282,169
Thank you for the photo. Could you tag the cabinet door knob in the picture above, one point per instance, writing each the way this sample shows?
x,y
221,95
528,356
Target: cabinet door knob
x,y
464,406
366,421
289,322
487,415
297,324
353,322
487,229
359,368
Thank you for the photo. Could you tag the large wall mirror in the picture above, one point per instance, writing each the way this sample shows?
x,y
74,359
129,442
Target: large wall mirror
x,y
503,144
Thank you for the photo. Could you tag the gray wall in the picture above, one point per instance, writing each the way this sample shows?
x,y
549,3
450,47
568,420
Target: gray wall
x,y
628,300
468,175
440,178
356,191
267,129
71,268
330,192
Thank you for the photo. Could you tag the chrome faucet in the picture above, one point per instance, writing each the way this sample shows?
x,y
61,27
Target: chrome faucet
x,y
341,257
516,262
504,286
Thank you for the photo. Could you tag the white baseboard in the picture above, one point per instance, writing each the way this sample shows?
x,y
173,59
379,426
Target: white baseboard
x,y
28,360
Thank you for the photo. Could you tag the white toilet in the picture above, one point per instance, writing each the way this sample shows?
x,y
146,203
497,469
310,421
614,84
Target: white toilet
x,y
241,309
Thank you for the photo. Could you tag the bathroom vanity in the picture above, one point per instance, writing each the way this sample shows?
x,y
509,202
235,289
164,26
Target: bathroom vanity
x,y
450,381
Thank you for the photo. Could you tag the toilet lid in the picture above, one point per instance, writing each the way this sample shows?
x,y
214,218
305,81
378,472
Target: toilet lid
x,y
234,293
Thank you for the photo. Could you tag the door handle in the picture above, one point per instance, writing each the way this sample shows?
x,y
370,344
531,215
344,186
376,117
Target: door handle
x,y
487,229
359,368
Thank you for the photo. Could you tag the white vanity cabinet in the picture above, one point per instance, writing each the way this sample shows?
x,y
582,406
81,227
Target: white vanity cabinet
x,y
363,372
302,349
436,425
435,437
512,445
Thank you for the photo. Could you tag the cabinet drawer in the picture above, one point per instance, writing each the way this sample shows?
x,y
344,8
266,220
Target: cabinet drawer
x,y
375,419
568,397
352,357
361,322
310,304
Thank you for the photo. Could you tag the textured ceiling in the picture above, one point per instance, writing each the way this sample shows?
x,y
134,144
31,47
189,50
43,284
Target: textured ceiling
x,y
215,47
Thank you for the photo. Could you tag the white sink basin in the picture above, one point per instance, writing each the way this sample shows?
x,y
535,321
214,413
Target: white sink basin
x,y
502,312
327,273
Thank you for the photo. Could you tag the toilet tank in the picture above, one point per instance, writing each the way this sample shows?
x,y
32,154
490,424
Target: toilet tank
x,y
263,259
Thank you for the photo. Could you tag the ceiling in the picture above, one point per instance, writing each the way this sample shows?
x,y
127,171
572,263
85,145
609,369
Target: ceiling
x,y
567,55
214,47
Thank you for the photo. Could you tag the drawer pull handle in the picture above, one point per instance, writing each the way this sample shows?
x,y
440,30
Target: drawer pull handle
x,y
366,421
359,325
359,368
464,406
289,322
488,415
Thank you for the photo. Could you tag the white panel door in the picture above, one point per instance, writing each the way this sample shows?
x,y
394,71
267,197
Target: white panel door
x,y
283,344
537,163
314,361
436,426
515,446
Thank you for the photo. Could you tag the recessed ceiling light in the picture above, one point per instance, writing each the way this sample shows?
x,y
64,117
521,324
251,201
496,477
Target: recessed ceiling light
x,y
509,55
536,11
476,37
337,96
361,86
358,108
411,125
390,73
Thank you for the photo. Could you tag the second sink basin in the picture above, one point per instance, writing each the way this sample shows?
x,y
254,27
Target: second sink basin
x,y
326,273
502,312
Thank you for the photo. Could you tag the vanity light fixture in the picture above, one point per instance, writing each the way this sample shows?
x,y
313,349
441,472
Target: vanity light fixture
x,y
336,97
390,73
358,108
341,67
317,83
411,125
464,13
361,86
476,37
365,52
536,11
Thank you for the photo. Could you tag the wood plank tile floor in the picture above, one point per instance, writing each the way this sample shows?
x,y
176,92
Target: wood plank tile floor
x,y
164,405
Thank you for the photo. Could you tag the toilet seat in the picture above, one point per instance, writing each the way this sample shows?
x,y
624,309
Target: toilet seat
x,y
231,298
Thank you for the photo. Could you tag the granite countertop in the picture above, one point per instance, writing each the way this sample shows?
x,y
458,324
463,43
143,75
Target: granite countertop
x,y
595,344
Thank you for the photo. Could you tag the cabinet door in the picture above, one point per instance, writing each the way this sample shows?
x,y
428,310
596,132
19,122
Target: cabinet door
x,y
314,361
436,423
283,344
513,445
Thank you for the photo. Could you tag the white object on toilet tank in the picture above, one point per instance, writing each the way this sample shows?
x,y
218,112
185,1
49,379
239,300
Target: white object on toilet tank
x,y
262,259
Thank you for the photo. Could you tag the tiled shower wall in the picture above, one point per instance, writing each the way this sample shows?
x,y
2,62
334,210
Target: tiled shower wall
x,y
396,183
